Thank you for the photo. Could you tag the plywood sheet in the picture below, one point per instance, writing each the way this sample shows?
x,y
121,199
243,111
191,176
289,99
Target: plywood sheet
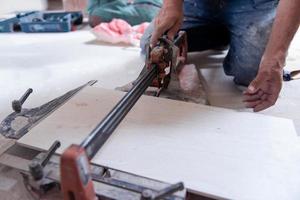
x,y
217,151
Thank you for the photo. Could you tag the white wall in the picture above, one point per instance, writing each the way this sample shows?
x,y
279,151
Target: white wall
x,y
7,6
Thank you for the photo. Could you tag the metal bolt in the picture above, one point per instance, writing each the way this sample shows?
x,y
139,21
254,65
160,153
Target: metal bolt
x,y
147,194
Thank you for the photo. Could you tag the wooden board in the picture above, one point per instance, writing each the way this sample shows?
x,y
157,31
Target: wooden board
x,y
216,151
5,144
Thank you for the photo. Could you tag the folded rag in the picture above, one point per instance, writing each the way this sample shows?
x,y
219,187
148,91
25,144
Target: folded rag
x,y
119,31
133,11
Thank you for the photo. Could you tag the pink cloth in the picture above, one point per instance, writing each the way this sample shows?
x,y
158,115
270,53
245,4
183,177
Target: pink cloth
x,y
119,31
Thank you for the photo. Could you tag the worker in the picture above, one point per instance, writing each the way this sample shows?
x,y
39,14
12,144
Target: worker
x,y
258,33
133,11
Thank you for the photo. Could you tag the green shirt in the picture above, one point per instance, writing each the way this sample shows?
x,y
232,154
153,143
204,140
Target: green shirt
x,y
134,13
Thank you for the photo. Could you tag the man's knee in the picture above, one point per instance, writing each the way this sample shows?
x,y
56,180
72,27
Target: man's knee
x,y
250,34
245,76
243,66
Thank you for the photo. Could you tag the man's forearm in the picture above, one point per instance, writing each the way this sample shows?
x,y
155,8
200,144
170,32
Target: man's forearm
x,y
173,2
284,28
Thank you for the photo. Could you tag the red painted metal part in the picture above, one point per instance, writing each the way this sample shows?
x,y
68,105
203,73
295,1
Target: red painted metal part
x,y
75,172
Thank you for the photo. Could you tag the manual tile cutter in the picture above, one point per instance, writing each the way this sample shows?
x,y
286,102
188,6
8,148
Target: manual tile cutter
x,y
76,179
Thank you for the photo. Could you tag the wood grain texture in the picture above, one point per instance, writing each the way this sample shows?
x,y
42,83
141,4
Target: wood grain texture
x,y
213,150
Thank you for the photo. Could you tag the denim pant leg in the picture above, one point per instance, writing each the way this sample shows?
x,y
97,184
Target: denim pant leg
x,y
250,28
203,31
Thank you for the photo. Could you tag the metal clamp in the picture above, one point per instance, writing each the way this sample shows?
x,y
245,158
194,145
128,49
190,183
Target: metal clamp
x,y
34,115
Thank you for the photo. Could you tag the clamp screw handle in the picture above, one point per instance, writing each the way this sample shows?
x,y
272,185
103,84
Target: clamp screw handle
x,y
50,152
150,195
169,190
17,104
36,167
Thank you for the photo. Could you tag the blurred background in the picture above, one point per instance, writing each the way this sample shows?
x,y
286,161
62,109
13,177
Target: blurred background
x,y
28,5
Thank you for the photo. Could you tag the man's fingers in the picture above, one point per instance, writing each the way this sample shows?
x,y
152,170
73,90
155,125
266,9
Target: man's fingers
x,y
252,104
264,97
171,35
171,27
252,97
263,105
173,31
265,101
270,101
160,28
256,84
158,32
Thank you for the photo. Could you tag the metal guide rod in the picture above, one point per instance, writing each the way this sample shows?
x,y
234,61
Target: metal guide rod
x,y
94,141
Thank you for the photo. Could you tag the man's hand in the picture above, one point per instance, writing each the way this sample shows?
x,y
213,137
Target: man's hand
x,y
168,20
264,90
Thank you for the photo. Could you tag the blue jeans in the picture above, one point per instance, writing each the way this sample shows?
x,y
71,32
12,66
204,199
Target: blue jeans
x,y
244,25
